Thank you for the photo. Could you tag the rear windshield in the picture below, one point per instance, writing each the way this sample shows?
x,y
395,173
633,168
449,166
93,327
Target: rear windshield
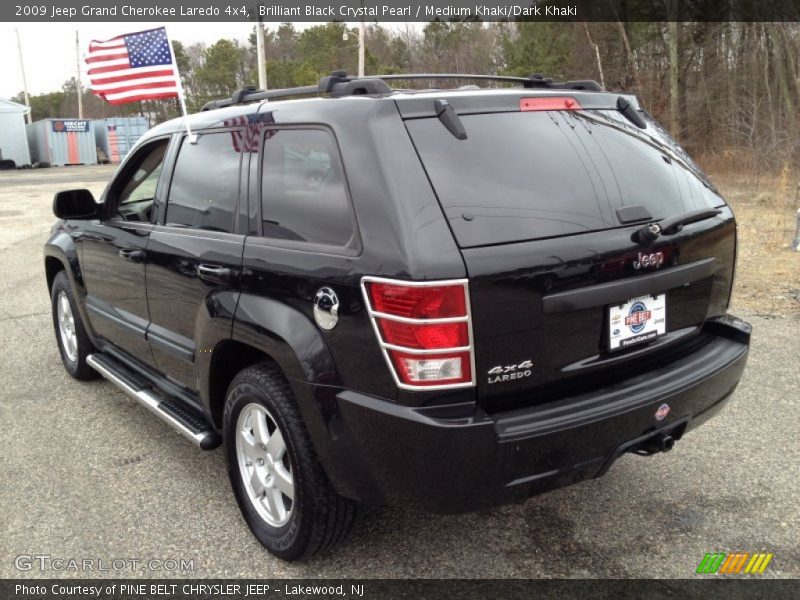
x,y
529,175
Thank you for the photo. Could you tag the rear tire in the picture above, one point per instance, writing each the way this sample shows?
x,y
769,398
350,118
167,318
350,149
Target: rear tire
x,y
282,490
73,341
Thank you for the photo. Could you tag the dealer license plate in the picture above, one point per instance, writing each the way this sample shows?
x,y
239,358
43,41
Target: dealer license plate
x,y
637,321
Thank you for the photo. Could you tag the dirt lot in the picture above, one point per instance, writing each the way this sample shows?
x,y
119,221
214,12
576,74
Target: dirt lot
x,y
87,473
768,270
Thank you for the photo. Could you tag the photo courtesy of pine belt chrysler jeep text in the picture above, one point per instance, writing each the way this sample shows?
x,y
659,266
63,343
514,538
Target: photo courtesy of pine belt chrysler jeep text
x,y
444,299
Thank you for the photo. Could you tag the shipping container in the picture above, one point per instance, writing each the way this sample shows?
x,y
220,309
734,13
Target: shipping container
x,y
62,142
115,136
13,139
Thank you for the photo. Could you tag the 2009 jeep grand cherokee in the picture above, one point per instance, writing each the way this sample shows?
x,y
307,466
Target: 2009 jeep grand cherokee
x,y
445,299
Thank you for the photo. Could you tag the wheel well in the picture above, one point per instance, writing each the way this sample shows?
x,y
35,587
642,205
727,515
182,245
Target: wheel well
x,y
51,268
228,359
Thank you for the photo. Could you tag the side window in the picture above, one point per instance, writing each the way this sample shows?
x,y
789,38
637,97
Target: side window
x,y
205,184
136,196
303,192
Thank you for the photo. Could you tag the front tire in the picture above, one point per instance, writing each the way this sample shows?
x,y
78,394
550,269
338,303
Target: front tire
x,y
282,491
73,341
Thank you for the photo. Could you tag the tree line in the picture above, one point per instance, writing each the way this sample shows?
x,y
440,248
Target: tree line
x,y
729,89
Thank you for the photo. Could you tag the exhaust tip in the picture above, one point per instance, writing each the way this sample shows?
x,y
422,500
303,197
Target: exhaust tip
x,y
667,443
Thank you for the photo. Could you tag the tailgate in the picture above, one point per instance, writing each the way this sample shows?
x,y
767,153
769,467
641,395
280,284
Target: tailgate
x,y
545,206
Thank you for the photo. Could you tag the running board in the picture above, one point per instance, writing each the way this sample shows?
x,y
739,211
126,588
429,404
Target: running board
x,y
189,423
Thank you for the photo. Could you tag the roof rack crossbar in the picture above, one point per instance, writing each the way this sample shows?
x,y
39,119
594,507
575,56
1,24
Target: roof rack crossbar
x,y
251,94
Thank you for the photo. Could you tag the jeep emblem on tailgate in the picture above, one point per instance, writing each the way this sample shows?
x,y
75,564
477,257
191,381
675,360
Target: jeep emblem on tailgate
x,y
645,261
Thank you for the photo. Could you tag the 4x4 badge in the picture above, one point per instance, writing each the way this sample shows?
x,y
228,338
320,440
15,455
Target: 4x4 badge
x,y
502,373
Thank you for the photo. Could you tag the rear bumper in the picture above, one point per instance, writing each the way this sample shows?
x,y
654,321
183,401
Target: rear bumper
x,y
379,452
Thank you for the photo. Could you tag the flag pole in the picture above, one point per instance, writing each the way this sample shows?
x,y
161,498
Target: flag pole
x,y
29,114
262,63
181,94
78,74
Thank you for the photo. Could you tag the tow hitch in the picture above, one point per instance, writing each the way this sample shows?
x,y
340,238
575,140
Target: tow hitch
x,y
653,442
654,445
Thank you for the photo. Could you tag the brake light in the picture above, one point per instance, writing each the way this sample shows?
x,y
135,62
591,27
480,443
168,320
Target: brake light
x,y
549,103
418,302
424,337
424,331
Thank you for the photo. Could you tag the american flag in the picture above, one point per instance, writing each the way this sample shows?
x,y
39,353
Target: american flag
x,y
133,67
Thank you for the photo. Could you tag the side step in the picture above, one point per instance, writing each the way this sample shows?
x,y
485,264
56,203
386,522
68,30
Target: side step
x,y
190,423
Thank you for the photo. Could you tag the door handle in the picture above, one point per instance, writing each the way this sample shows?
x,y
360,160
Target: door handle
x,y
214,274
132,254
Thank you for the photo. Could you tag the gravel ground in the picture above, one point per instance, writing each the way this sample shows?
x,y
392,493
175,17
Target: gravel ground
x,y
87,473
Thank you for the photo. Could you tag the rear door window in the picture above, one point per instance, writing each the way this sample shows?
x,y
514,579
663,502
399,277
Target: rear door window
x,y
303,192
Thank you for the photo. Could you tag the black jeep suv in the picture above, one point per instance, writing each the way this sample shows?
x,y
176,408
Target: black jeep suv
x,y
444,299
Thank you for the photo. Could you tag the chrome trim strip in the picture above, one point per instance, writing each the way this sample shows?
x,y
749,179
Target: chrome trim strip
x,y
382,315
384,346
424,351
149,401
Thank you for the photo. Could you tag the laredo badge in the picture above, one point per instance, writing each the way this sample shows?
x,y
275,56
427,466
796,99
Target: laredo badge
x,y
502,373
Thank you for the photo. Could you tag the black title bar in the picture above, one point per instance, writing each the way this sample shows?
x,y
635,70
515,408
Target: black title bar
x,y
398,10
384,589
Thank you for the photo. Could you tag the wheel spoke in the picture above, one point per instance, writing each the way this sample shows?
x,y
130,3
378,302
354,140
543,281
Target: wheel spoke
x,y
284,481
275,504
250,448
258,422
64,305
256,484
276,447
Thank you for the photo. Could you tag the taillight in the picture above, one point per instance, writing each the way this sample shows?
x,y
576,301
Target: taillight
x,y
424,331
549,103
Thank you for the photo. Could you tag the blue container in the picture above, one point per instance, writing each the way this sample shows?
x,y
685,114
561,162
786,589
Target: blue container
x,y
115,136
62,142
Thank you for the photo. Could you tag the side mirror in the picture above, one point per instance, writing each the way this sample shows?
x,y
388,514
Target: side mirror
x,y
74,204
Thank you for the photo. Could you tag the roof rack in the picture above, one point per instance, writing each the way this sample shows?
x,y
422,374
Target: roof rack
x,y
534,81
338,84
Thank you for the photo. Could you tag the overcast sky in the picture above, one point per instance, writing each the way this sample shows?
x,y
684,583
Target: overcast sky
x,y
49,48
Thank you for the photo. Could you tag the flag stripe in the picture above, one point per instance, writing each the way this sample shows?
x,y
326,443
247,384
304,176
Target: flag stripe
x,y
108,65
116,58
132,67
123,70
138,85
107,52
124,82
117,42
134,93
150,96
117,77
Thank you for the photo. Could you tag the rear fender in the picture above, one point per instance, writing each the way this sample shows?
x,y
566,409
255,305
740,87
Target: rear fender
x,y
292,340
288,336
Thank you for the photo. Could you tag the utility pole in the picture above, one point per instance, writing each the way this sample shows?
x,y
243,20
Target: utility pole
x,y
361,48
262,59
24,80
78,73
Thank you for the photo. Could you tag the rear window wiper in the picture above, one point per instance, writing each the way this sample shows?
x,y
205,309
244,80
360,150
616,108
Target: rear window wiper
x,y
449,118
672,225
630,113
